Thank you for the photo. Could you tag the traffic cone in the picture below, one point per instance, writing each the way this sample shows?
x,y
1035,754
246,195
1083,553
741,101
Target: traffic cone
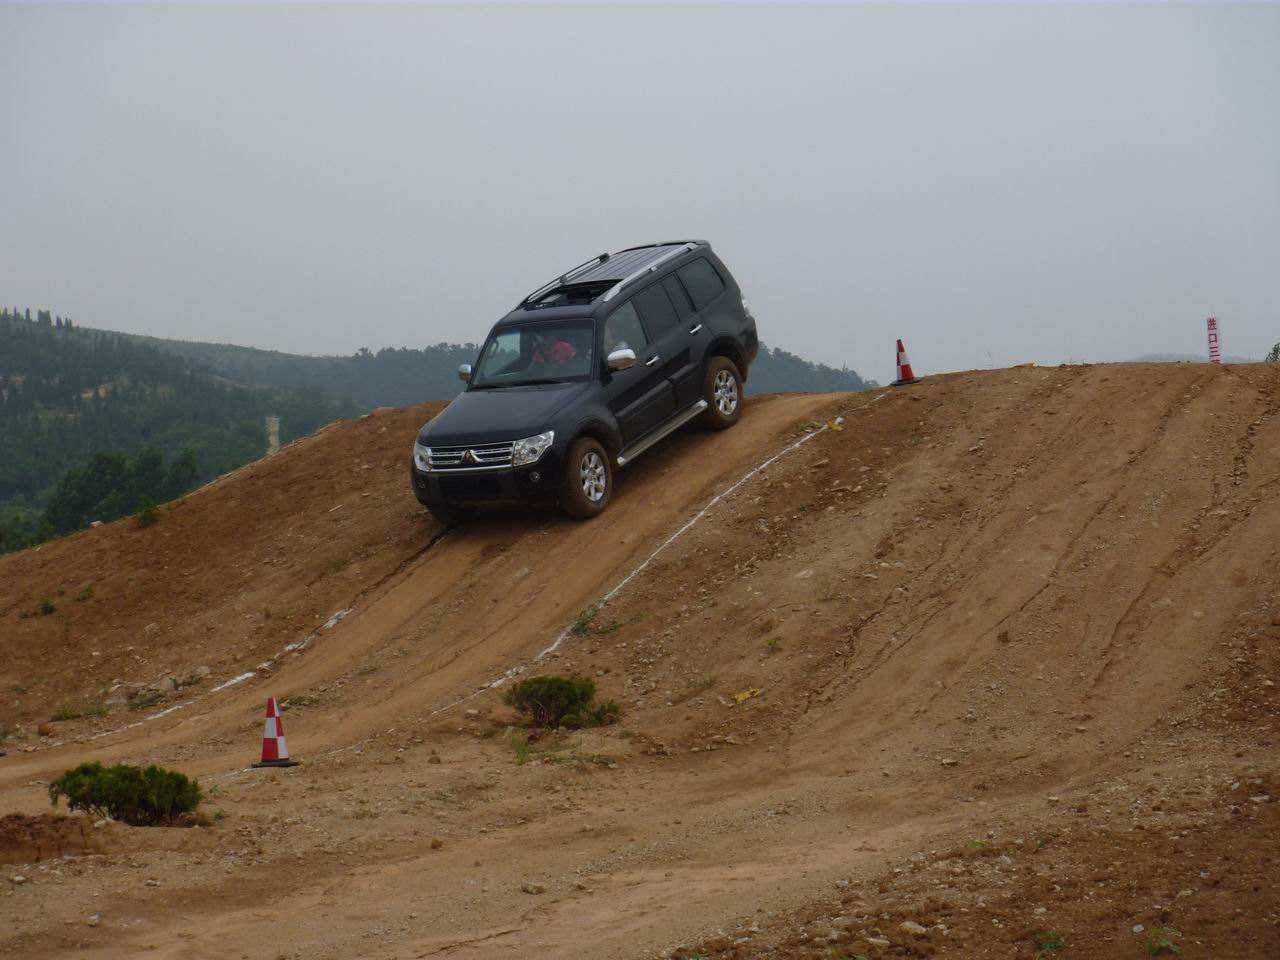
x,y
905,376
274,751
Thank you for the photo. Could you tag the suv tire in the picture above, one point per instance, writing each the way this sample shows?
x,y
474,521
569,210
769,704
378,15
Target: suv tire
x,y
722,389
587,487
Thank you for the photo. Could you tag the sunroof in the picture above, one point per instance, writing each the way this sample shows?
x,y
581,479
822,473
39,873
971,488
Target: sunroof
x,y
573,294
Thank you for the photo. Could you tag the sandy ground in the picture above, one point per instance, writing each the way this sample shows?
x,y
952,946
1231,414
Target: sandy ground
x,y
997,659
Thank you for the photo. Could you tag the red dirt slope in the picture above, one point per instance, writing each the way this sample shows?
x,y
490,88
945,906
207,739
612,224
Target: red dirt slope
x,y
998,657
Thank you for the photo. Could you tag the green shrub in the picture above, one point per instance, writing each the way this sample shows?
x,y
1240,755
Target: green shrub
x,y
553,701
147,513
548,700
135,795
45,607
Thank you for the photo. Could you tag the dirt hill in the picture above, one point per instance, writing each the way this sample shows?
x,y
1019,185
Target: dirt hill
x,y
996,660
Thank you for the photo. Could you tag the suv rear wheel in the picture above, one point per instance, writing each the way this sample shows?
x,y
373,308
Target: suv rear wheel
x,y
588,479
722,389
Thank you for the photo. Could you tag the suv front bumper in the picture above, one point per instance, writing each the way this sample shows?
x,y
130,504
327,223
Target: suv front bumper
x,y
537,481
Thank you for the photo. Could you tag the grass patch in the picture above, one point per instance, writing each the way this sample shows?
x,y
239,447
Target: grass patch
x,y
85,594
523,748
1160,942
585,625
299,700
1047,942
145,698
72,710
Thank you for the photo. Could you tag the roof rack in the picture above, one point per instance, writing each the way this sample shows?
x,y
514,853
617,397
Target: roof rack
x,y
649,268
564,277
624,261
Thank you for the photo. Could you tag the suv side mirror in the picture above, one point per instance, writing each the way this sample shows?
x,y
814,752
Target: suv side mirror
x,y
464,373
621,359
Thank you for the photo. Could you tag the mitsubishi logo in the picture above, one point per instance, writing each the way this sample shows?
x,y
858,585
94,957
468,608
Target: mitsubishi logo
x,y
469,457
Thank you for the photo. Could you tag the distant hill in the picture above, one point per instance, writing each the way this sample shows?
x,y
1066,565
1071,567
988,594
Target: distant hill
x,y
68,394
399,376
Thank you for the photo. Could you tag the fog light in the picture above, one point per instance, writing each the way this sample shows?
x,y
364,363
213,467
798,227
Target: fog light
x,y
535,477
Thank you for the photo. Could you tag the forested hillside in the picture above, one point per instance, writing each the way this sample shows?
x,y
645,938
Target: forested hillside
x,y
396,377
67,394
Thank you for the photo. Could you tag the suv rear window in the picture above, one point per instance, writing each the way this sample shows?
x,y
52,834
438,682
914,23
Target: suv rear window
x,y
702,282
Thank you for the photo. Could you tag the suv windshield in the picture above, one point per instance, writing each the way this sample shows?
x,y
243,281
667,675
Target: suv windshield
x,y
544,352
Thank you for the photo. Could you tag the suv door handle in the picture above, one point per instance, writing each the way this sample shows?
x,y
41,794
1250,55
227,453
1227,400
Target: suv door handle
x,y
652,360
695,328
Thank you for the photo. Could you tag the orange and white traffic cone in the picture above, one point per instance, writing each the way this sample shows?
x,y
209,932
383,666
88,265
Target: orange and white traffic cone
x,y
274,751
905,376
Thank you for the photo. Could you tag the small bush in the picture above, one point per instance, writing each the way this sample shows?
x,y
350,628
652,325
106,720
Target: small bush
x,y
147,513
45,607
136,795
85,594
552,701
145,698
548,700
1160,942
602,714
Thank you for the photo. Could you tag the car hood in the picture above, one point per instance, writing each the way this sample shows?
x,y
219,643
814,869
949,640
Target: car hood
x,y
493,416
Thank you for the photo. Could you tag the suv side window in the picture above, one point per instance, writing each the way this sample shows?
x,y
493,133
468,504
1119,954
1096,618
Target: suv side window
x,y
702,282
622,329
655,310
679,299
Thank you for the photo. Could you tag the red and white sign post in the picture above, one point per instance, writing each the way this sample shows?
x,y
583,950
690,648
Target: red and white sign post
x,y
1215,355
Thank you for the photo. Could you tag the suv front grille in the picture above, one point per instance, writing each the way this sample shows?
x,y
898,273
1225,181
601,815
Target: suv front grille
x,y
469,458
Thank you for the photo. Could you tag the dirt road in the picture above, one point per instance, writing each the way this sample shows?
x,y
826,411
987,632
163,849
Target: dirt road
x,y
994,608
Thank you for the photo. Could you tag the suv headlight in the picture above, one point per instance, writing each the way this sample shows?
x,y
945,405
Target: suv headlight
x,y
421,456
531,448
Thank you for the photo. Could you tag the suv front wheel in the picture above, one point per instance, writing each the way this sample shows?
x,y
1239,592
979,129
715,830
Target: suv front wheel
x,y
588,479
722,389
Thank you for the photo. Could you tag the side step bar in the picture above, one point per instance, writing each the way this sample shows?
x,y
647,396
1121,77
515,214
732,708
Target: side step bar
x,y
671,426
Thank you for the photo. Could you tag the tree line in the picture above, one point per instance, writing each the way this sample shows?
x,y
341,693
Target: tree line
x,y
70,394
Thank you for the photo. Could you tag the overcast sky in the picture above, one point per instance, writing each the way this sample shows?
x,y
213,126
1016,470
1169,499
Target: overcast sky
x,y
993,184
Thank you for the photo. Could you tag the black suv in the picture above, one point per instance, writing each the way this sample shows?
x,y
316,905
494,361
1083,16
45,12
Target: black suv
x,y
584,375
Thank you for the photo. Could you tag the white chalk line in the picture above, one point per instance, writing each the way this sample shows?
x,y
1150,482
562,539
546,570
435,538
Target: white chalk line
x,y
266,665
